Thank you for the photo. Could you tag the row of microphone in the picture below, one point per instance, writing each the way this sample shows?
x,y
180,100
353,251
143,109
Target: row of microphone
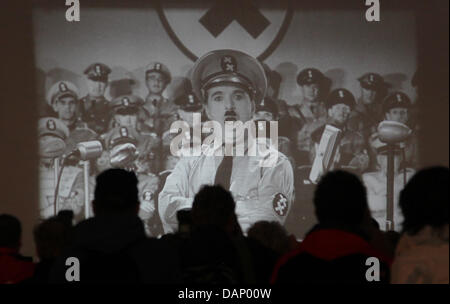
x,y
119,155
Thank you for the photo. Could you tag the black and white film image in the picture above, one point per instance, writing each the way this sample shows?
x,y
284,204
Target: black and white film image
x,y
341,88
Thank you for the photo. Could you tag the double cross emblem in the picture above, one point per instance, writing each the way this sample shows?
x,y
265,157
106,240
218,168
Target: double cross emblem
x,y
224,12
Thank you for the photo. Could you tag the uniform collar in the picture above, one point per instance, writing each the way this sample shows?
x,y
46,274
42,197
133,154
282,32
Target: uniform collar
x,y
154,97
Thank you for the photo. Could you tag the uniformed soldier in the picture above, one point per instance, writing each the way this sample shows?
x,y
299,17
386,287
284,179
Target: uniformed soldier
x,y
310,113
120,154
162,111
52,134
352,151
376,184
396,107
125,111
63,98
367,113
229,83
273,89
188,104
266,111
94,107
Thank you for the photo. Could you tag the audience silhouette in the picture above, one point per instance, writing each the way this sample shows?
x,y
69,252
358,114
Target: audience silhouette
x,y
14,267
210,247
422,254
336,249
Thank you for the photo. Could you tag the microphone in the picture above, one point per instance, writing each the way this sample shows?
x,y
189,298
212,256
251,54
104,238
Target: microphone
x,y
123,154
392,132
87,150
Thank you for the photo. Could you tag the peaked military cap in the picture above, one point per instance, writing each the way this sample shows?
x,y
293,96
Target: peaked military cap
x,y
98,72
126,102
340,95
267,104
310,76
188,102
158,67
52,126
371,81
227,66
396,100
60,89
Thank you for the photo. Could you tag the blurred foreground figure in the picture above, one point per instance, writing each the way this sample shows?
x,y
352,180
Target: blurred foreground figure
x,y
14,267
213,250
336,250
112,247
50,237
422,255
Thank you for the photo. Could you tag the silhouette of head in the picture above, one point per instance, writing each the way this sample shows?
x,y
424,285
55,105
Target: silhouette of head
x,y
10,231
424,200
116,192
213,206
340,199
51,235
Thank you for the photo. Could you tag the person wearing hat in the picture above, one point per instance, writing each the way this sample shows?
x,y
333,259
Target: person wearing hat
x,y
266,111
313,84
188,104
53,134
94,107
273,90
376,183
352,151
125,110
310,113
397,107
162,111
230,83
63,98
367,112
123,150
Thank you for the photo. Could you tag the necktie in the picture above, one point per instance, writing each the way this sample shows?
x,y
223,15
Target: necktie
x,y
223,174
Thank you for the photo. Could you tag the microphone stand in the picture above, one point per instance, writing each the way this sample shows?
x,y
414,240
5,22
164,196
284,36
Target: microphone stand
x,y
55,182
86,188
390,188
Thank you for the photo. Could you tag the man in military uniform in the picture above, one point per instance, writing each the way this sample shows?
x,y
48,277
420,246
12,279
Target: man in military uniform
x,y
63,97
229,83
352,150
94,107
188,104
396,107
266,110
125,110
367,113
52,134
310,113
121,144
376,184
162,111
